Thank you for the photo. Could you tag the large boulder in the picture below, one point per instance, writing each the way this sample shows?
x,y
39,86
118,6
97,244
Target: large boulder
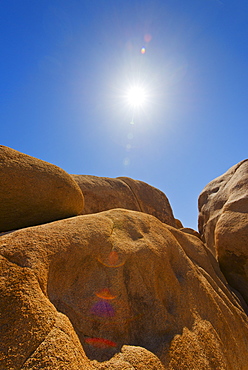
x,y
34,192
116,290
223,223
103,193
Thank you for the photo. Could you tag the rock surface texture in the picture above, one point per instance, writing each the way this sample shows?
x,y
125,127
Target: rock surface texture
x,y
223,222
103,290
119,286
103,193
34,192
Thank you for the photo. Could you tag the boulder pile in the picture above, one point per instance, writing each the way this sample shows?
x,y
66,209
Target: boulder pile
x,y
115,282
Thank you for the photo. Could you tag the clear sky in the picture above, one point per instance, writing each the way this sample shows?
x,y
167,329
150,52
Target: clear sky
x,y
66,69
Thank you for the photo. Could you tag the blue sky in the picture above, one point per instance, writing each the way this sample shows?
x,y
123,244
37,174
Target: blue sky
x,y
66,66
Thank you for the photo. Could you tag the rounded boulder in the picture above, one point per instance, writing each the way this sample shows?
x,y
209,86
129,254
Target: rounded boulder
x,y
34,192
103,193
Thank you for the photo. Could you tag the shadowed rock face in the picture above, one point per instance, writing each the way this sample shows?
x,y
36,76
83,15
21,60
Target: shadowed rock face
x,y
34,192
223,222
122,287
103,193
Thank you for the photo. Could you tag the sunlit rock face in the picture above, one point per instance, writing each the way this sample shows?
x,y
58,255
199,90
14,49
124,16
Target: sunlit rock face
x,y
223,221
103,193
116,290
34,192
115,287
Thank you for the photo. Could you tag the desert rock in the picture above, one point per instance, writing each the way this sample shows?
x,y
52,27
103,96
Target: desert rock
x,y
34,192
116,290
103,193
223,222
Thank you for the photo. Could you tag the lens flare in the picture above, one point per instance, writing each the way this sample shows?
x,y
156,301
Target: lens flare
x,y
112,260
103,309
100,342
143,50
147,37
105,294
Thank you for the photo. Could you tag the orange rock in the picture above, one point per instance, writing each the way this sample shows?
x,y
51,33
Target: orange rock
x,y
34,192
170,305
102,193
223,222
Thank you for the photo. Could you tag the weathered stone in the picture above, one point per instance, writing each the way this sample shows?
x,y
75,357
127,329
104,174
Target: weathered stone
x,y
103,193
188,230
223,222
34,192
139,294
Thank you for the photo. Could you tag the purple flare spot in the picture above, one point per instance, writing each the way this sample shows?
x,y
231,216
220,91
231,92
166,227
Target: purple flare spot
x,y
103,308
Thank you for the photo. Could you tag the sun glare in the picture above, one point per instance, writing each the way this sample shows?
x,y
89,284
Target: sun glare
x,y
136,96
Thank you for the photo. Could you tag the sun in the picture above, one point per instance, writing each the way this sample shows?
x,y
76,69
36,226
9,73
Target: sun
x,y
136,96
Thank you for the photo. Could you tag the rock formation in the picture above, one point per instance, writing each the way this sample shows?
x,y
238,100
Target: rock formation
x,y
223,223
34,192
102,194
122,278
120,289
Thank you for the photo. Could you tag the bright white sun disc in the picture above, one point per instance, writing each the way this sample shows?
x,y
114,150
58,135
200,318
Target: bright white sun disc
x,y
136,96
